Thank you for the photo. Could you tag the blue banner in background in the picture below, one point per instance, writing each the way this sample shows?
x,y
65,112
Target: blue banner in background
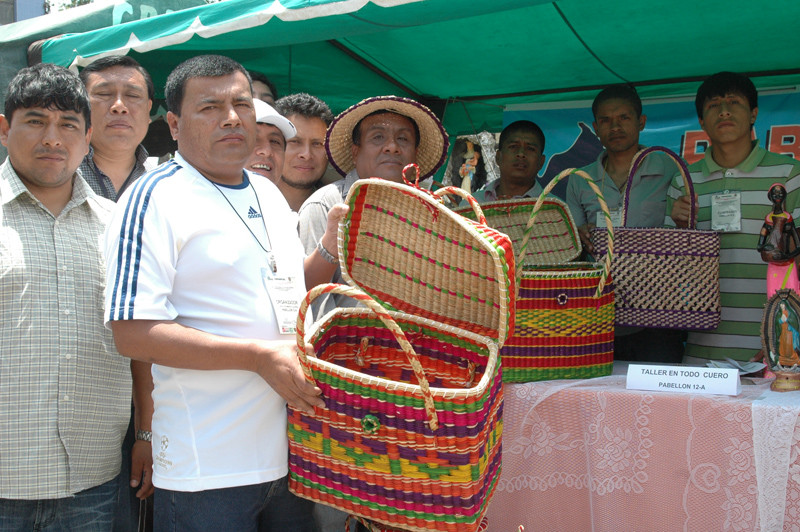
x,y
570,141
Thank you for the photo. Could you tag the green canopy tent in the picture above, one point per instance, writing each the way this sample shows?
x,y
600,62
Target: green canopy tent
x,y
466,59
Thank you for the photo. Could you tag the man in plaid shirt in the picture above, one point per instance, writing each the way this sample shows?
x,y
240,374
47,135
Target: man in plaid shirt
x,y
65,392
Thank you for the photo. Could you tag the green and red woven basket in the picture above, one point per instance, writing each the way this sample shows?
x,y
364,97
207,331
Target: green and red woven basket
x,y
411,434
564,319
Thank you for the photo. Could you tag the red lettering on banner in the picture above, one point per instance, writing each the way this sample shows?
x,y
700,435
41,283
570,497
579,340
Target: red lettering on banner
x,y
784,140
694,145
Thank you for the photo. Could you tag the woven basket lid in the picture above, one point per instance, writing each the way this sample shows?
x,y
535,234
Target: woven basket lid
x,y
554,237
414,255
432,149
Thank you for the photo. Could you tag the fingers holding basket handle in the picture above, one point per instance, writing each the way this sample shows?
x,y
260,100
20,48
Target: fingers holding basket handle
x,y
606,216
682,212
387,320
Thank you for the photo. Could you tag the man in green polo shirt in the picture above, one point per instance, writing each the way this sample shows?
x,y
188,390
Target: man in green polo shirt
x,y
731,184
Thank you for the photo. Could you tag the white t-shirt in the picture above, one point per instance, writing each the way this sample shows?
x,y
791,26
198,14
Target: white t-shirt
x,y
178,251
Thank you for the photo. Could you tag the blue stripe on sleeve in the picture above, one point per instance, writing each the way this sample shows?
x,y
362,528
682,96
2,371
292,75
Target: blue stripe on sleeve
x,y
127,271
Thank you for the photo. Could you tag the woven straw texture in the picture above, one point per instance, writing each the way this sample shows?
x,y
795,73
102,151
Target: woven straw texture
x,y
664,277
564,320
553,237
409,252
411,434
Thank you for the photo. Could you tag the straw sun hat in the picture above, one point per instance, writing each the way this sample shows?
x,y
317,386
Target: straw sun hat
x,y
433,143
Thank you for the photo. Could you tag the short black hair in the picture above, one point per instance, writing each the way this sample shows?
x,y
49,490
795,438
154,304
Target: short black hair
x,y
305,105
357,128
620,91
199,66
520,125
47,86
723,83
258,76
104,63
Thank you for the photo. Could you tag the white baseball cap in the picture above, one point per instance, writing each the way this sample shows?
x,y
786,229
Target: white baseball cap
x,y
266,114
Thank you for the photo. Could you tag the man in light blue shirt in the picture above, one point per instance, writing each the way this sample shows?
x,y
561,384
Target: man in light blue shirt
x,y
618,120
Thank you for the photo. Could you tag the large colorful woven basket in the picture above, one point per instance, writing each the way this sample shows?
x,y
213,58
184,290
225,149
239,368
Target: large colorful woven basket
x,y
411,433
564,321
664,277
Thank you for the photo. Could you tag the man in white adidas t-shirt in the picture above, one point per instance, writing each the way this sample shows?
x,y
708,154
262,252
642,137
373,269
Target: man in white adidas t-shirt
x,y
203,265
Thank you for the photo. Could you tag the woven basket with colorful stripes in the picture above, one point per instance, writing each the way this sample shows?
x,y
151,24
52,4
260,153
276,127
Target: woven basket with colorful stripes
x,y
564,321
411,433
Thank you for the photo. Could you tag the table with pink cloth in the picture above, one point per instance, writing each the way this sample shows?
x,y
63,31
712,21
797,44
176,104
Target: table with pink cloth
x,y
591,455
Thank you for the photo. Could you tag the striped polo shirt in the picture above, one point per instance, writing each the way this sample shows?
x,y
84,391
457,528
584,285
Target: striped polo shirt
x,y
742,272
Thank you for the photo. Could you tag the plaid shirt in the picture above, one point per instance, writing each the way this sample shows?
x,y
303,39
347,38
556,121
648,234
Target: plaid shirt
x,y
101,183
65,392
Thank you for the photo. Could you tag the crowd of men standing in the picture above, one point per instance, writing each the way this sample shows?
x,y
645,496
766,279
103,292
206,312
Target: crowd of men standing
x,y
146,339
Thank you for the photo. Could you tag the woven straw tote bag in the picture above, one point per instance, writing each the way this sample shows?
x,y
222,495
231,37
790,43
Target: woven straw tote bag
x,y
665,277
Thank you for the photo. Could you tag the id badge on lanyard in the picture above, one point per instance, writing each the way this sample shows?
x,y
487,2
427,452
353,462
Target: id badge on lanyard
x,y
726,211
285,293
616,218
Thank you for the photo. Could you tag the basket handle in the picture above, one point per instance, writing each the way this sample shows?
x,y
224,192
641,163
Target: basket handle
x,y
383,314
637,161
526,238
460,192
411,166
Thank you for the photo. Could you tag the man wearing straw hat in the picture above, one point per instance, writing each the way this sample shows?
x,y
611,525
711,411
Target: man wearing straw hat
x,y
376,137
618,121
731,183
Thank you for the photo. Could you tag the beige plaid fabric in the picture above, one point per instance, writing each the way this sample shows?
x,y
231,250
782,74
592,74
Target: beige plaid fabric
x,y
65,392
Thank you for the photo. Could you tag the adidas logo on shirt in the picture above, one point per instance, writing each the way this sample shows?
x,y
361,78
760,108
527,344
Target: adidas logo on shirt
x,y
252,213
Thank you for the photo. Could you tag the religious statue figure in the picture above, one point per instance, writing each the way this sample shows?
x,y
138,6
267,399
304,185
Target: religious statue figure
x,y
779,244
788,339
470,166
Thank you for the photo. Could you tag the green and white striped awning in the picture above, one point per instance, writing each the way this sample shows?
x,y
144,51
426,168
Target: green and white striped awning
x,y
466,59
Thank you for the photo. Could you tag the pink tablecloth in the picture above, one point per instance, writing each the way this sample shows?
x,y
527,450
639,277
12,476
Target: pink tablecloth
x,y
591,455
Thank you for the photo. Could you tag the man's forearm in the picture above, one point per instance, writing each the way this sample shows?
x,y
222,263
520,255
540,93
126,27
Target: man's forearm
x,y
171,344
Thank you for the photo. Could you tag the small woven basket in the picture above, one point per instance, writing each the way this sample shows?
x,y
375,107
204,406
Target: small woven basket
x,y
664,277
564,320
411,433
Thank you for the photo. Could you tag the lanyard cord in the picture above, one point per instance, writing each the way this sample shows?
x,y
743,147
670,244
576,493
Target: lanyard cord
x,y
272,263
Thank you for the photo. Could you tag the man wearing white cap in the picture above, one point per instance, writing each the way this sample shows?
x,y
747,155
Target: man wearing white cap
x,y
376,137
272,132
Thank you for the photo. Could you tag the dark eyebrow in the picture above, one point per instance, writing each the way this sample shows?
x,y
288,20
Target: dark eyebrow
x,y
35,113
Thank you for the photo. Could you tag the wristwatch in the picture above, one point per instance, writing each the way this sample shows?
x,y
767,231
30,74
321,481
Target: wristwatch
x,y
327,255
144,435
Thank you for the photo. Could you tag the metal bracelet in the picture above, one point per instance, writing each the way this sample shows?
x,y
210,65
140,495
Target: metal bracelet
x,y
144,435
326,254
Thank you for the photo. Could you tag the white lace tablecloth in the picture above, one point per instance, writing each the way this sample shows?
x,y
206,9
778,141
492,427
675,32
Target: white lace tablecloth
x,y
591,455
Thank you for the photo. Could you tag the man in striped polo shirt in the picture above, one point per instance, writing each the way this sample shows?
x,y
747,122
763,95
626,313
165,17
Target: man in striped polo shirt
x,y
731,184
